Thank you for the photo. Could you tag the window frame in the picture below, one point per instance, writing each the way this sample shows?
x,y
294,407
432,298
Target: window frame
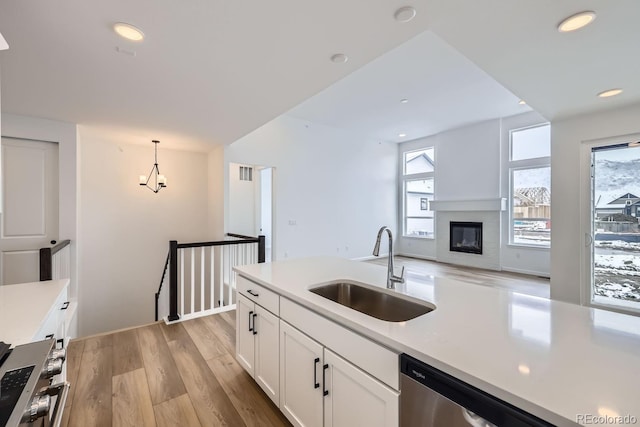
x,y
519,165
417,177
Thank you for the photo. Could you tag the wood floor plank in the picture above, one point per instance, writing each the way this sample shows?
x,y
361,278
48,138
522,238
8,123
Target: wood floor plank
x,y
75,348
252,404
229,317
126,352
204,338
176,412
92,401
207,395
225,334
172,332
131,400
162,375
98,342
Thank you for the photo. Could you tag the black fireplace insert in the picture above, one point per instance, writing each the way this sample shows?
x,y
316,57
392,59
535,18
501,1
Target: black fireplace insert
x,y
465,237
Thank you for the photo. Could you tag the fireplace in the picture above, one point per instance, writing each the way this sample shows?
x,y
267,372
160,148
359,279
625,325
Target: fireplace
x,y
465,237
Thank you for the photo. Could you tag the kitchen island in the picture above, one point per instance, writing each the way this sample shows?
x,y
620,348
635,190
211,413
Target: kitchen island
x,y
561,362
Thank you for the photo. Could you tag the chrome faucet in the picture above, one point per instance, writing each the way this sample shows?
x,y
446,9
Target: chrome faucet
x,y
392,279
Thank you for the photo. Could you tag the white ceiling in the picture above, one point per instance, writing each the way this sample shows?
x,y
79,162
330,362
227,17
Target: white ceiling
x,y
443,88
210,71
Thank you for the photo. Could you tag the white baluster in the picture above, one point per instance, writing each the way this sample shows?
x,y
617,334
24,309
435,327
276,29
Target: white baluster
x,y
181,282
193,278
211,276
202,306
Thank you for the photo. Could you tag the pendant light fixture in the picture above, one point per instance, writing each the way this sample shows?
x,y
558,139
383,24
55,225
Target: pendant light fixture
x,y
156,180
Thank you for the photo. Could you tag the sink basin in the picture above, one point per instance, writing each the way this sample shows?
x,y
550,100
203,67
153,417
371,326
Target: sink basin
x,y
375,303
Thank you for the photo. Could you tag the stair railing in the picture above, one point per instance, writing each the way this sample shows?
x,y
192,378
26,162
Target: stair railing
x,y
201,280
55,262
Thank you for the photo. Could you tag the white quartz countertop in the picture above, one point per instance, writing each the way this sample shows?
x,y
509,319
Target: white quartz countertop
x,y
24,307
559,361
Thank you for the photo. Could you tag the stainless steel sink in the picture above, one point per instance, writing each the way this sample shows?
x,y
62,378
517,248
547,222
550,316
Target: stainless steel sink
x,y
376,303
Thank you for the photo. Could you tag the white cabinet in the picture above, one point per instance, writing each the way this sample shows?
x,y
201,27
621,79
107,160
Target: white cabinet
x,y
257,348
355,398
319,388
317,372
300,377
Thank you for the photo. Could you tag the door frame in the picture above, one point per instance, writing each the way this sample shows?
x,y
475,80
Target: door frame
x,y
586,220
258,203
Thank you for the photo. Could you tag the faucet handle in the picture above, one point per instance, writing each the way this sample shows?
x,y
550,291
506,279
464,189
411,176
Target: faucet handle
x,y
402,273
398,279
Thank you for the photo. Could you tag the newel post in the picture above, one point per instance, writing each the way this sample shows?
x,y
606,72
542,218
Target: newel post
x,y
261,249
173,280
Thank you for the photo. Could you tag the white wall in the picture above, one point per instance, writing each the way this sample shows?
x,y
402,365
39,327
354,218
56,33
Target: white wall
x,y
468,162
568,200
520,259
65,134
215,181
337,187
125,228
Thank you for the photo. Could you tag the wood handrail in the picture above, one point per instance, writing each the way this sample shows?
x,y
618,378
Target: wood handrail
x,y
164,272
46,259
217,243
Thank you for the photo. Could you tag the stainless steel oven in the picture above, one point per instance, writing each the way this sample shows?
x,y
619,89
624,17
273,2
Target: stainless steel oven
x,y
27,396
432,398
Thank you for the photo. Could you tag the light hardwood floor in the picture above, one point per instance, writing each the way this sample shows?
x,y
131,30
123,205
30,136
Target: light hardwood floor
x,y
158,375
186,374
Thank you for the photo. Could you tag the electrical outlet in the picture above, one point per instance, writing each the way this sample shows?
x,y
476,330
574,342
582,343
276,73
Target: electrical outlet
x,y
292,222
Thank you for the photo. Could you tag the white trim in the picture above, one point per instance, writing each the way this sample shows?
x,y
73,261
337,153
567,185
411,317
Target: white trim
x,y
200,314
499,204
369,258
527,272
417,256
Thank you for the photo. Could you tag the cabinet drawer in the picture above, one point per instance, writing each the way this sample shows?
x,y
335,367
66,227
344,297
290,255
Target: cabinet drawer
x,y
259,294
50,324
369,356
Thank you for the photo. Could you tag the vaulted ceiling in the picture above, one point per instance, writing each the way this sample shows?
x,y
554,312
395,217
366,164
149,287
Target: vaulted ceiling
x,y
211,71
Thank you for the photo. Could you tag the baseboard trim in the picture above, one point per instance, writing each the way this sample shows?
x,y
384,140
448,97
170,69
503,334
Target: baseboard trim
x,y
527,272
417,256
368,258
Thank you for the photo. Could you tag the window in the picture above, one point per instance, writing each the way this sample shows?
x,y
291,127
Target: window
x,y
418,190
530,189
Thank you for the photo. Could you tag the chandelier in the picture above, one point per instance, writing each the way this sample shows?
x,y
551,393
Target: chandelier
x,y
156,180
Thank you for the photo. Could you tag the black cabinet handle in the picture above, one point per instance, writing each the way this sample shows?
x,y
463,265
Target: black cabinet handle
x,y
250,317
324,380
252,293
48,337
316,384
255,331
65,305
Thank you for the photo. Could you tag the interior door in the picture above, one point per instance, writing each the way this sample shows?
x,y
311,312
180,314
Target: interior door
x,y
29,218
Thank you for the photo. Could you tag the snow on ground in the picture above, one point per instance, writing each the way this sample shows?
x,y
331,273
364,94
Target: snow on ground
x,y
619,245
617,275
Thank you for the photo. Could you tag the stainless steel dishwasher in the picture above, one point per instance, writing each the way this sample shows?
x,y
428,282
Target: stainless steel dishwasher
x,y
432,398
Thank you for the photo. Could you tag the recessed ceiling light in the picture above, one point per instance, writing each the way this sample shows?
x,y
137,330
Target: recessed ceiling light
x,y
522,102
404,101
577,21
402,135
405,14
610,92
339,58
524,369
128,31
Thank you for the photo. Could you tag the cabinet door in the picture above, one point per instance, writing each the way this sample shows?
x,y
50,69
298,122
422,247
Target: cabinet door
x,y
355,398
300,377
267,361
244,333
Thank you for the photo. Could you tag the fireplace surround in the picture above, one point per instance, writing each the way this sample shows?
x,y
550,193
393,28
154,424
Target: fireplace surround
x,y
465,237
